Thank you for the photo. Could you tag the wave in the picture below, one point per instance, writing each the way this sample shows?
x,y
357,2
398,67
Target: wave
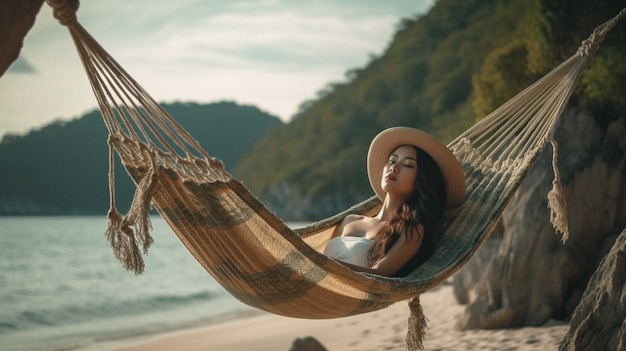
x,y
72,314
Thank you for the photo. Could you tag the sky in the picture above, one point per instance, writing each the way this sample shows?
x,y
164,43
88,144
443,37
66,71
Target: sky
x,y
273,54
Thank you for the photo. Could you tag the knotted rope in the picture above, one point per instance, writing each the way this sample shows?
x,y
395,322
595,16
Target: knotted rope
x,y
64,11
417,325
556,198
590,45
142,133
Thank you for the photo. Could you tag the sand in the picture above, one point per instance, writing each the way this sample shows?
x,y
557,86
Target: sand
x,y
383,330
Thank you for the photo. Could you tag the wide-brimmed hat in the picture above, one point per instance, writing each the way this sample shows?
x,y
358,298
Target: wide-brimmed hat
x,y
386,141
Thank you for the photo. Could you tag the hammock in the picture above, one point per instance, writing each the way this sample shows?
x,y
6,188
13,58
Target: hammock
x,y
252,253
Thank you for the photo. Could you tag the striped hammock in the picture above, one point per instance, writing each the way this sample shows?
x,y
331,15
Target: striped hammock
x,y
252,253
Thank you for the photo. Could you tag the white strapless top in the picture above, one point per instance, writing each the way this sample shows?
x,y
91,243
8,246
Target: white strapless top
x,y
349,249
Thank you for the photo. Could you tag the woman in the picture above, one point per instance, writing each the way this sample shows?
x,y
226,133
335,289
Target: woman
x,y
417,178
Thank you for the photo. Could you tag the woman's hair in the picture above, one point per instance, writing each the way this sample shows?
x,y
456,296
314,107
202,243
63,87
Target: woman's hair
x,y
425,206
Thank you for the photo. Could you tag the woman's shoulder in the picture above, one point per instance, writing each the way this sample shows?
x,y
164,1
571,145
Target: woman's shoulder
x,y
352,218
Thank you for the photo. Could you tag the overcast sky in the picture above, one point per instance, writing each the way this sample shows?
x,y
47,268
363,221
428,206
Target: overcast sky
x,y
273,54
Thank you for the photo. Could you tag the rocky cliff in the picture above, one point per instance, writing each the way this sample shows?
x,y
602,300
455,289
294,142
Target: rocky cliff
x,y
525,275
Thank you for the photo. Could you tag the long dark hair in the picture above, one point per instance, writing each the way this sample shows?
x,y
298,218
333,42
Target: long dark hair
x,y
425,205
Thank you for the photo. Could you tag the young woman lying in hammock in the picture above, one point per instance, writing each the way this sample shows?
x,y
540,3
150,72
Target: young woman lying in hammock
x,y
417,177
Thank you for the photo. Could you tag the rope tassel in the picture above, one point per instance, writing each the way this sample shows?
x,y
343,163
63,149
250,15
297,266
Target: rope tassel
x,y
127,234
139,214
556,198
122,240
417,325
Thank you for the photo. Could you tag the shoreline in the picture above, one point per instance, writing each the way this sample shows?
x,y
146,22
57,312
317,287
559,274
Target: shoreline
x,y
138,337
380,330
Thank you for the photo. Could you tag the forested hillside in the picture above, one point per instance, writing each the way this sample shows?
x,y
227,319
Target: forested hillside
x,y
62,167
441,72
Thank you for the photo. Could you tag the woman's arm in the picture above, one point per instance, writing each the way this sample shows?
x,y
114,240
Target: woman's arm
x,y
399,254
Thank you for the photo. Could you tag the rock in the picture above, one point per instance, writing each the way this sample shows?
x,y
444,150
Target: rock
x,y
16,19
599,321
308,343
524,275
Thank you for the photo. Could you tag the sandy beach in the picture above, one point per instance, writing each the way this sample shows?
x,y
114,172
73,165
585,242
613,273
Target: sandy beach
x,y
381,330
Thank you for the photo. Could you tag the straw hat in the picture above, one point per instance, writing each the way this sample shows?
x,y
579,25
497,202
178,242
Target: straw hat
x,y
385,142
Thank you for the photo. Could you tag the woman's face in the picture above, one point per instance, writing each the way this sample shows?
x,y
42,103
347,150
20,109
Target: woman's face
x,y
400,172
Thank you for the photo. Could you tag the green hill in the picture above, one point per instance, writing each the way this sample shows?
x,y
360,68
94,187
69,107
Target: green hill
x,y
62,168
441,72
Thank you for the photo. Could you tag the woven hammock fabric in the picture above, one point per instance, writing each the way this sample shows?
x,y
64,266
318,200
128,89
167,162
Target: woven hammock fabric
x,y
251,252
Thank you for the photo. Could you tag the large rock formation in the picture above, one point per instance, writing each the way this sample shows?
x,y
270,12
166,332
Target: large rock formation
x,y
16,19
599,321
524,275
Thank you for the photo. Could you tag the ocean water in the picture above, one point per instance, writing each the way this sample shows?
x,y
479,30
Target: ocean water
x,y
61,288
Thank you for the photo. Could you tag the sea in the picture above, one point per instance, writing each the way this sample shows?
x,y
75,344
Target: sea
x,y
61,288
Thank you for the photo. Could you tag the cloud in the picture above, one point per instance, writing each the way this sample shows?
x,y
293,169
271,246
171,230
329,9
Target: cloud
x,y
273,54
21,65
282,41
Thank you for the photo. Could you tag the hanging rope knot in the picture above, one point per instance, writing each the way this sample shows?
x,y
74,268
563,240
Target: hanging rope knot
x,y
129,236
556,198
588,49
213,168
115,220
122,240
590,46
417,325
112,140
145,151
64,11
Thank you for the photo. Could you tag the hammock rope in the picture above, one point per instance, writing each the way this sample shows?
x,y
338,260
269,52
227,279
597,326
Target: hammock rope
x,y
251,252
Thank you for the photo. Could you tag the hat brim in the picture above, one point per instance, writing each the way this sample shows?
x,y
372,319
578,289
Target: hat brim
x,y
386,141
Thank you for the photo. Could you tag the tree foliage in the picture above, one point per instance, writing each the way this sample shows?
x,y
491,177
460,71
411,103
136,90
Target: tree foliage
x,y
423,80
440,73
549,33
